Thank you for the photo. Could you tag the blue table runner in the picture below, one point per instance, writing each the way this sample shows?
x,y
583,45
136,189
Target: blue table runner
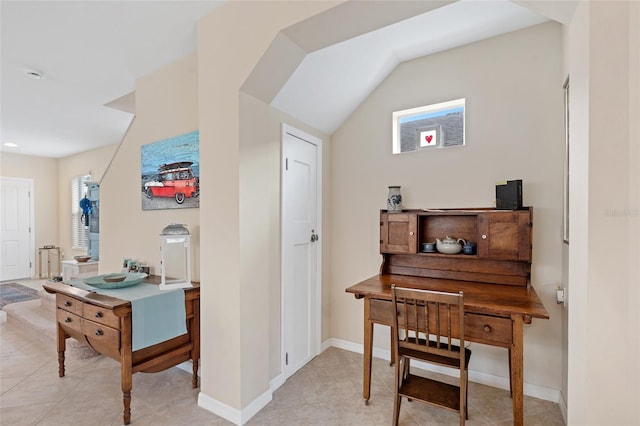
x,y
156,315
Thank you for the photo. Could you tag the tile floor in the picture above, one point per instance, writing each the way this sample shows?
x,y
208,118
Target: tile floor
x,y
327,391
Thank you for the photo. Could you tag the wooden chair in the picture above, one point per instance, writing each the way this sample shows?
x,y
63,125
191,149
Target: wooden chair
x,y
425,322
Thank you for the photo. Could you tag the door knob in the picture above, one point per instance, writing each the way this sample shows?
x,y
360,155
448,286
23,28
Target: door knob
x,y
314,237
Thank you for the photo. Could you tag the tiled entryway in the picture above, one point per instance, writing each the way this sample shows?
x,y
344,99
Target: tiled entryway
x,y
327,391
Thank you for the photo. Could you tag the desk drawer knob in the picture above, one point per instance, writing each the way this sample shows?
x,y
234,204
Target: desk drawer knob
x,y
99,332
487,329
67,303
484,236
68,319
99,314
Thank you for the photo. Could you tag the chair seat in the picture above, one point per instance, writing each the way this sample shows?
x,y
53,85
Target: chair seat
x,y
437,359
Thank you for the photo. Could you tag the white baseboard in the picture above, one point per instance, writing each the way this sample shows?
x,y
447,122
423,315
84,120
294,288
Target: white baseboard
x,y
276,382
563,407
235,416
240,417
535,391
325,345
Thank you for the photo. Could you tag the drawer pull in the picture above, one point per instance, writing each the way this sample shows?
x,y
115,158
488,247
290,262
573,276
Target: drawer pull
x,y
67,303
68,319
411,233
99,314
487,329
99,333
484,236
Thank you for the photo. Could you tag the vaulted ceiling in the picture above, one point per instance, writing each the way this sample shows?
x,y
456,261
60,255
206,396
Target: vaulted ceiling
x,y
89,54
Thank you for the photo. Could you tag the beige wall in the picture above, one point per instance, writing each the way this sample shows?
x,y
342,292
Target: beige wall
x,y
604,298
514,129
44,174
234,294
94,163
260,133
166,106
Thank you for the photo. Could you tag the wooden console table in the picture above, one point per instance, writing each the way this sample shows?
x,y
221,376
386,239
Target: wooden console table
x,y
498,297
104,323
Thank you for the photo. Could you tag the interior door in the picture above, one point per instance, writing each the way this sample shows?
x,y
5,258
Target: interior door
x,y
300,250
15,229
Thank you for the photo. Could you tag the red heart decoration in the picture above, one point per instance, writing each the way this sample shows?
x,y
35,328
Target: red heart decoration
x,y
428,138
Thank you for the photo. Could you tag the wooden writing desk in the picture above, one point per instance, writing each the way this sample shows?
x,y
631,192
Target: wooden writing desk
x,y
104,323
498,297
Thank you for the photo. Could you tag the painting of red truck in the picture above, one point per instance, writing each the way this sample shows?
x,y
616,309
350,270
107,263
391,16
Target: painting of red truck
x,y
170,173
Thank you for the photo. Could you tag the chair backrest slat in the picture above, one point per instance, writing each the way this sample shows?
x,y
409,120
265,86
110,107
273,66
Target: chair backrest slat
x,y
429,321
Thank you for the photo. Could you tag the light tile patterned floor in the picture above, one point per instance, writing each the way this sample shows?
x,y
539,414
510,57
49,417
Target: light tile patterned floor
x,y
327,391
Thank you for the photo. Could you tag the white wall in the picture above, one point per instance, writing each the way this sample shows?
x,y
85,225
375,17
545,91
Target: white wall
x,y
514,129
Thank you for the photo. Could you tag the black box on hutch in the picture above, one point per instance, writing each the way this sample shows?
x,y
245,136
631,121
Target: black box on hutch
x,y
509,195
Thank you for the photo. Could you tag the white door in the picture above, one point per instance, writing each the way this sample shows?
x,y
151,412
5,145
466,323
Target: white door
x,y
300,249
15,229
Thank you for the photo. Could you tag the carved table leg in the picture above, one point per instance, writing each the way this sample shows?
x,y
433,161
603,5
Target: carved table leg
x,y
368,343
61,345
195,340
125,367
126,400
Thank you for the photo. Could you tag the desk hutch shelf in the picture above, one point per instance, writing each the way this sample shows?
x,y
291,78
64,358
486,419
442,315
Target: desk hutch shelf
x,y
503,239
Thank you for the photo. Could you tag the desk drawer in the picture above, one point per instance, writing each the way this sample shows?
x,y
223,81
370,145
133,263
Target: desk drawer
x,y
101,316
494,331
71,323
69,304
381,311
487,329
104,339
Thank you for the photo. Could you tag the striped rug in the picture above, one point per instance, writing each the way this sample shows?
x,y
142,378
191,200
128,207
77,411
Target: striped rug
x,y
14,292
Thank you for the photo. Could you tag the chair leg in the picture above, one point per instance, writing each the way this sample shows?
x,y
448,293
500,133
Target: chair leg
x,y
397,398
466,394
510,384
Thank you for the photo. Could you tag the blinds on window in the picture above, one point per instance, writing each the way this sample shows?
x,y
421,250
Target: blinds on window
x,y
79,232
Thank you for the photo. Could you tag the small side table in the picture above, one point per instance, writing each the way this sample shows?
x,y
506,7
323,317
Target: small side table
x,y
73,269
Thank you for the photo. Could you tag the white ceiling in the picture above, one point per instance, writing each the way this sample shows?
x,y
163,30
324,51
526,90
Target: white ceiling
x,y
91,53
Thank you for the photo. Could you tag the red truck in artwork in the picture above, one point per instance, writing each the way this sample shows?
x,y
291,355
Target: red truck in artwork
x,y
174,180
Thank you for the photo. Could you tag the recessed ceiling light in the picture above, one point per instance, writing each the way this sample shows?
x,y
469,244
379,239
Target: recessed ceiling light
x,y
34,74
11,145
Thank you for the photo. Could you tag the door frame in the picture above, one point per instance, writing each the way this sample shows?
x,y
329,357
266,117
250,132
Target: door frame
x,y
287,129
32,225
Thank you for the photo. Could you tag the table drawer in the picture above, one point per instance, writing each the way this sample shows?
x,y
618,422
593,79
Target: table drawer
x,y
69,304
381,311
104,339
487,329
101,316
70,322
